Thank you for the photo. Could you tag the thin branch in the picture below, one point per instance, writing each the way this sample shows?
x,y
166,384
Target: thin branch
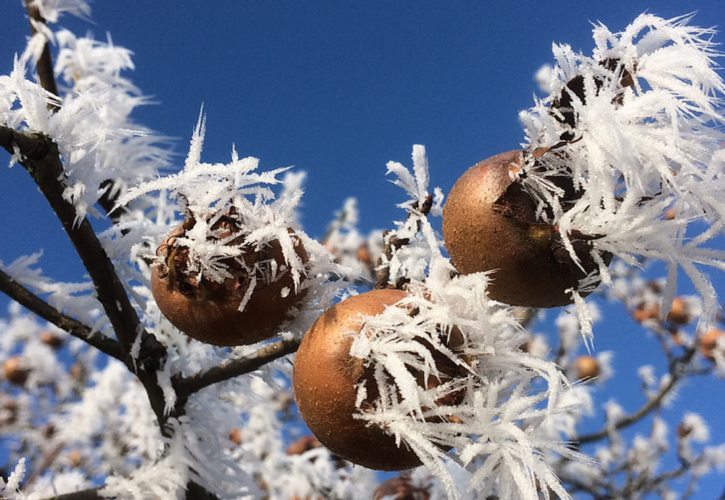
x,y
677,371
26,298
235,367
89,494
45,63
40,157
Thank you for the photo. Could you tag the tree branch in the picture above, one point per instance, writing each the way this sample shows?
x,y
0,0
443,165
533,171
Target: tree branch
x,y
26,298
45,63
677,371
89,494
40,157
235,367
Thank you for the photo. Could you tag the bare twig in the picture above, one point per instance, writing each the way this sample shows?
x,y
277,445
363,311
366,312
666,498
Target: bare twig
x,y
235,367
677,371
26,298
45,63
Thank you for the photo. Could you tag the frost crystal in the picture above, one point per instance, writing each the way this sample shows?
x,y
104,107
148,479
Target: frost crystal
x,y
627,134
449,372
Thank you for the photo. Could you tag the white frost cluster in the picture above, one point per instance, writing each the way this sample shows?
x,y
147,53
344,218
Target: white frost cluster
x,y
447,364
643,135
103,150
208,192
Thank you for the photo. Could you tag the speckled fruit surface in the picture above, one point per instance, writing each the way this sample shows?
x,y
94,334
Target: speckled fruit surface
x,y
211,313
324,379
489,224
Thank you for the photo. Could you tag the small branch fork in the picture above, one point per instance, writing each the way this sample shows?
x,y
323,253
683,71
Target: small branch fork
x,y
40,156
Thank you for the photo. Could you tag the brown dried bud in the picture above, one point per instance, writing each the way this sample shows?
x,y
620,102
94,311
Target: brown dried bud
x,y
679,313
75,458
401,488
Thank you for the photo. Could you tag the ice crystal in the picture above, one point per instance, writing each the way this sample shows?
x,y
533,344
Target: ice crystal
x,y
627,134
447,364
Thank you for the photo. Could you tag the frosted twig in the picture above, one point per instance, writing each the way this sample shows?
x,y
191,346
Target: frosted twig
x,y
44,66
235,367
25,297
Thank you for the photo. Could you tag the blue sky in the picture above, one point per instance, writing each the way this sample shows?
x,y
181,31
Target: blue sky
x,y
338,89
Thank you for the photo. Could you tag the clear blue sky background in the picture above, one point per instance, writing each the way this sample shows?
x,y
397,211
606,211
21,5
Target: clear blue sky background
x,y
338,89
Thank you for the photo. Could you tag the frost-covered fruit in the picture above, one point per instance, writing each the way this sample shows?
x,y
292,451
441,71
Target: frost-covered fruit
x,y
490,223
14,370
586,367
209,311
326,377
708,341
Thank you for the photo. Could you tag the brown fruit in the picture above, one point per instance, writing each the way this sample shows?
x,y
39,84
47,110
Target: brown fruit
x,y
325,380
490,223
14,370
303,444
235,436
75,458
209,311
679,313
708,342
401,488
51,339
586,367
646,313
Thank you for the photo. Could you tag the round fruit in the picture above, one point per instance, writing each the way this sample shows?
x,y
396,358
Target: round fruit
x,y
14,370
51,339
209,311
303,444
679,313
490,223
401,488
235,435
325,380
708,342
586,367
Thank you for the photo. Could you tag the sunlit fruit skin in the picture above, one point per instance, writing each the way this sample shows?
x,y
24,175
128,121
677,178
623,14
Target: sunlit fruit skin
x,y
211,314
325,379
489,223
586,367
